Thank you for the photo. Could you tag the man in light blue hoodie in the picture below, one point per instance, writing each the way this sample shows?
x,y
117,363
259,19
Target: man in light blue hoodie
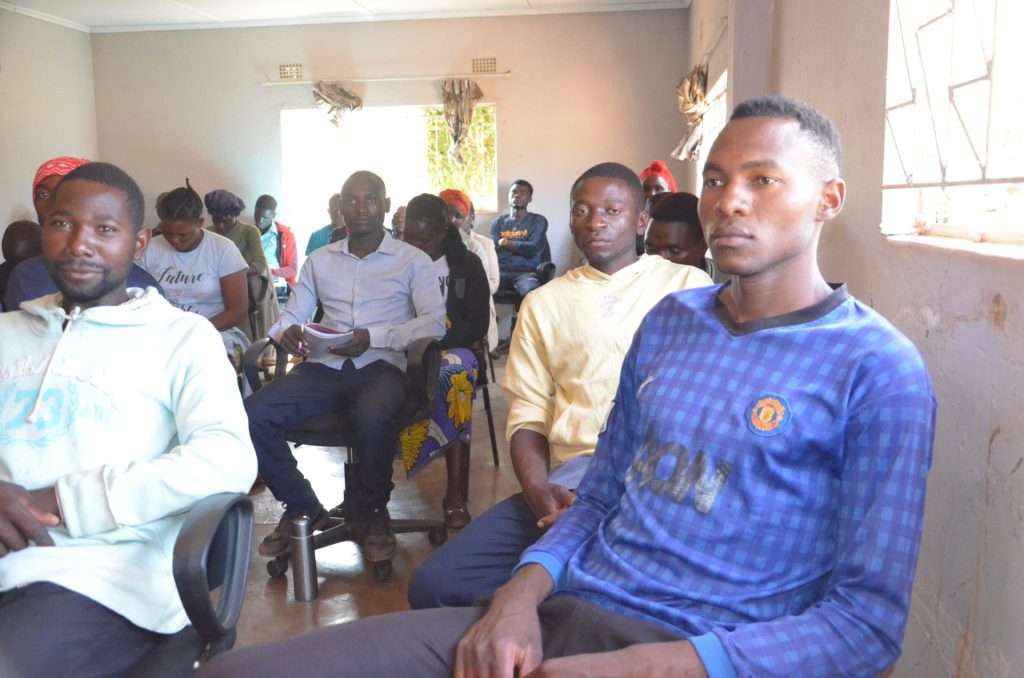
x,y
119,412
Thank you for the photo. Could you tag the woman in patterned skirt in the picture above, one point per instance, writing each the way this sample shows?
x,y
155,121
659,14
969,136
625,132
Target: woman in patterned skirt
x,y
463,283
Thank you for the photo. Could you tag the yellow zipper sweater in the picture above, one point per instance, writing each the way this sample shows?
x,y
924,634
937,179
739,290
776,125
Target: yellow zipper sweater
x,y
567,349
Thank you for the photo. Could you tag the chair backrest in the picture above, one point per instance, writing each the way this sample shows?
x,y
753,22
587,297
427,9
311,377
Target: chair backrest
x,y
545,253
211,552
546,272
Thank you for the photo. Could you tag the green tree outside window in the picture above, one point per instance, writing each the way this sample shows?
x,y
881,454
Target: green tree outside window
x,y
477,174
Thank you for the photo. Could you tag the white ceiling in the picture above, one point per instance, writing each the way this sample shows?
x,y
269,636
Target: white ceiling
x,y
112,16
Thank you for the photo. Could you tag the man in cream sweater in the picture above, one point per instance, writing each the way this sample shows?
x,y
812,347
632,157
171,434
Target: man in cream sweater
x,y
560,379
119,412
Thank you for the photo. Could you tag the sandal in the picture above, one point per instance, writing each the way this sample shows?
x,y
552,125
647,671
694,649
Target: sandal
x,y
455,517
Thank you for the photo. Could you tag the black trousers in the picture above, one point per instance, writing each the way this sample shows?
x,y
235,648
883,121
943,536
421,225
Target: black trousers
x,y
372,397
49,631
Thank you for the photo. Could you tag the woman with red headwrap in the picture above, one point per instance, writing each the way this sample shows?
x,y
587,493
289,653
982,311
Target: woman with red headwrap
x,y
463,216
47,177
657,179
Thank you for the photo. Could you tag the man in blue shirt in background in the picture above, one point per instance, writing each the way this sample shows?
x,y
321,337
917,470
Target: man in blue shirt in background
x,y
333,231
521,237
755,503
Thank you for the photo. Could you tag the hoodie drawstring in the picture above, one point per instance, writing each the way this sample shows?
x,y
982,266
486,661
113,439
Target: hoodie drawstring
x,y
75,313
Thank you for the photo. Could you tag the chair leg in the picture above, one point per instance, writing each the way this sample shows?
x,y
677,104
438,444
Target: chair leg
x,y
456,514
490,426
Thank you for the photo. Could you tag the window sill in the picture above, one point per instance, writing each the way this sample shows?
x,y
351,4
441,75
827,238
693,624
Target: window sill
x,y
987,249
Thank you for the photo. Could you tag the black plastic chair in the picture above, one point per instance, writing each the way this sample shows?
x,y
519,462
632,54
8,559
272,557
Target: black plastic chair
x,y
334,430
485,376
258,284
545,273
211,552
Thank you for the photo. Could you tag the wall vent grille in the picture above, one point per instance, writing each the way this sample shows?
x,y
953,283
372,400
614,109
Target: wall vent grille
x,y
485,65
289,71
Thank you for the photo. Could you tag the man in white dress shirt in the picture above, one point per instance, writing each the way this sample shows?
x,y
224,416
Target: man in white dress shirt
x,y
384,292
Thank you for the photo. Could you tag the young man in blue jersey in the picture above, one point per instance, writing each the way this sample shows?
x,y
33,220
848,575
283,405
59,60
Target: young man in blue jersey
x,y
754,506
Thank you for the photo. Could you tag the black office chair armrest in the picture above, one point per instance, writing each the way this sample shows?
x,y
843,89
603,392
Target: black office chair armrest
x,y
545,271
423,368
211,551
505,297
251,361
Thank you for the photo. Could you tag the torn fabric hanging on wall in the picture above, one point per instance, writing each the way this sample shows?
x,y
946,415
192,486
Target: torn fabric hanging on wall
x,y
336,99
693,103
460,96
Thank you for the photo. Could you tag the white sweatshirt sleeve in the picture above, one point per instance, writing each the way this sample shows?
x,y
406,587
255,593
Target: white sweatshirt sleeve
x,y
213,453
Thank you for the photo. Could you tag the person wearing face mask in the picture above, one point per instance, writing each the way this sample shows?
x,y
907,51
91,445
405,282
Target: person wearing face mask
x,y
279,247
224,208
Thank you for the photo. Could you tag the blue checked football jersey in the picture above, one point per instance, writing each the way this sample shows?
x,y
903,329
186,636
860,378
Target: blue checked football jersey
x,y
759,487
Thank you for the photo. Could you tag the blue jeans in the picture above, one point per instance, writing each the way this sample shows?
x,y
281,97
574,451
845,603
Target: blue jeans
x,y
469,568
372,398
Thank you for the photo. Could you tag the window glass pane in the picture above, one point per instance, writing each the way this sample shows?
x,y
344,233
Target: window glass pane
x,y
406,145
954,145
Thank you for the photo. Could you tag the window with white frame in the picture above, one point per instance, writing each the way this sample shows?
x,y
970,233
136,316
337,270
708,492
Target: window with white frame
x,y
954,120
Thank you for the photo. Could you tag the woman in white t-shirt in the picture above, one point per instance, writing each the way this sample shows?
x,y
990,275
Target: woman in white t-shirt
x,y
199,271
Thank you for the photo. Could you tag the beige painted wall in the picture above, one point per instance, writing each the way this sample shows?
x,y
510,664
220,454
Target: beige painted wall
x,y
964,313
46,87
585,88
